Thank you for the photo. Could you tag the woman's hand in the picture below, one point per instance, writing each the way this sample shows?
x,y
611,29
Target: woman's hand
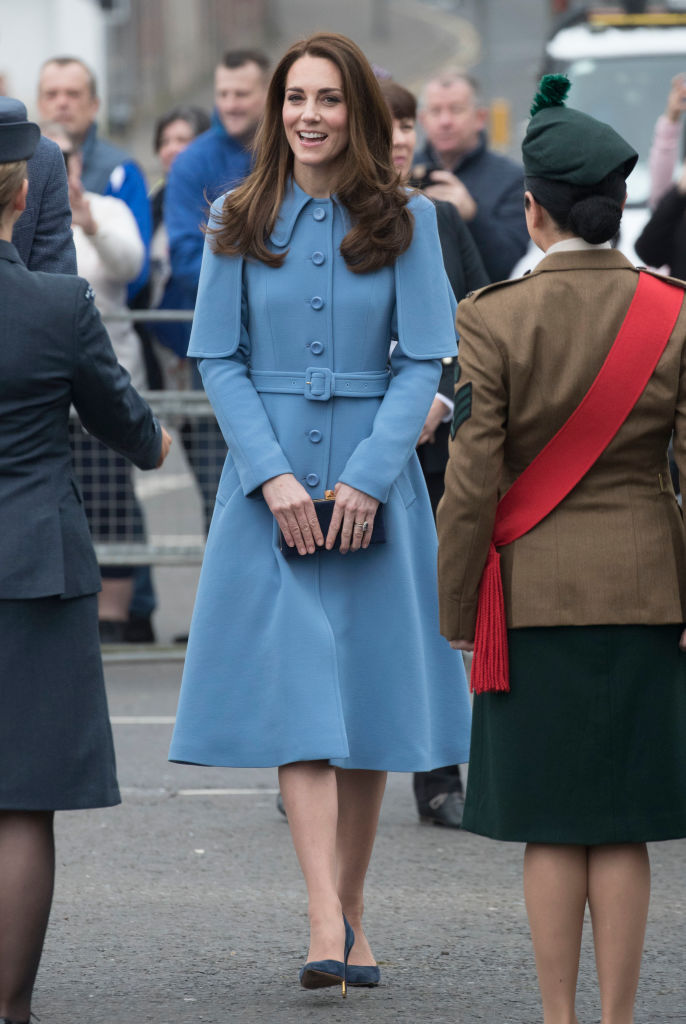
x,y
433,421
462,645
682,641
676,100
353,508
164,449
293,509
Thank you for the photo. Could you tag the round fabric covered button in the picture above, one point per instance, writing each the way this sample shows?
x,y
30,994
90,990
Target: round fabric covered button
x,y
312,479
319,213
318,258
315,436
317,302
316,348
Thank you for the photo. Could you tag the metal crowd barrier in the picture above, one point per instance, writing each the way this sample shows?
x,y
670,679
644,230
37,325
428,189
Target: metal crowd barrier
x,y
159,517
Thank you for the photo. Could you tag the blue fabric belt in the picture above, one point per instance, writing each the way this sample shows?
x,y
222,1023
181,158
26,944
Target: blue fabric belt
x,y
319,385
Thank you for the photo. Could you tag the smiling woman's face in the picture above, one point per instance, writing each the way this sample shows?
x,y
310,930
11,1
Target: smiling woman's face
x,y
315,119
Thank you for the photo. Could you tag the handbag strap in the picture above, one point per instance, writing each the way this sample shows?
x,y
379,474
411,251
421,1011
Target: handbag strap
x,y
559,467
622,378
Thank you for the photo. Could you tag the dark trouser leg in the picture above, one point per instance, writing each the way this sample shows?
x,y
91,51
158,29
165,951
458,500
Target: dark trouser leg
x,y
441,780
428,785
27,871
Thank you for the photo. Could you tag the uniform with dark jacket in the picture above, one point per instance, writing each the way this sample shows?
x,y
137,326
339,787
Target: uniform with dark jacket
x,y
55,740
439,793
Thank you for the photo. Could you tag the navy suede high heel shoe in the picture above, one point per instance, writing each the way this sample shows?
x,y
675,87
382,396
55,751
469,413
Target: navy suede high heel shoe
x,y
363,977
324,973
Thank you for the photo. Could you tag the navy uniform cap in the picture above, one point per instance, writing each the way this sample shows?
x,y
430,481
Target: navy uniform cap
x,y
563,144
18,136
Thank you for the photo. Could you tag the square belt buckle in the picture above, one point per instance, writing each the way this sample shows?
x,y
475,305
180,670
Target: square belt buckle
x,y
318,384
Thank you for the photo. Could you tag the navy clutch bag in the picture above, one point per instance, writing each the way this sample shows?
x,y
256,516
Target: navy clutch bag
x,y
324,509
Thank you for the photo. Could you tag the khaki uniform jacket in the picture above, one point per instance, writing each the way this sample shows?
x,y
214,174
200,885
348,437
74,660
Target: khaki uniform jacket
x,y
614,551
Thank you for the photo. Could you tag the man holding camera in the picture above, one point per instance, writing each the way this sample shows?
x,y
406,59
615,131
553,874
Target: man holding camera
x,y
456,165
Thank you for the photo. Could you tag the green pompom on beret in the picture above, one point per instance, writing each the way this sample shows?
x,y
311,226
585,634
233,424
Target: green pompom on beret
x,y
562,144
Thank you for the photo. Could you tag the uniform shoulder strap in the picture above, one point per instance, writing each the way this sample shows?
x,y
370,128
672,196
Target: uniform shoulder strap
x,y
621,380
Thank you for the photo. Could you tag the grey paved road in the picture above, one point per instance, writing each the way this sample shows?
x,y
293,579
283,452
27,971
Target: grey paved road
x,y
178,908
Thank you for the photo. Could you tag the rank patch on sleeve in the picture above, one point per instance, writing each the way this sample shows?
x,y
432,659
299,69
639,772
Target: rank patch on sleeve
x,y
90,294
463,408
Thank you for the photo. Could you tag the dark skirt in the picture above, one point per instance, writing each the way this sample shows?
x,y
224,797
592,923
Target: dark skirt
x,y
56,750
589,746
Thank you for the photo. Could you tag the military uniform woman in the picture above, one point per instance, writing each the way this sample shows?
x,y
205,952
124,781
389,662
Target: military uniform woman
x,y
595,594
56,748
328,664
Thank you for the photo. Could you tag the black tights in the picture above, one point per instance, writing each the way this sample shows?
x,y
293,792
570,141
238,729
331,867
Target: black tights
x,y
27,872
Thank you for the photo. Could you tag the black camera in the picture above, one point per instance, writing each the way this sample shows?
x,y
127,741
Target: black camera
x,y
420,175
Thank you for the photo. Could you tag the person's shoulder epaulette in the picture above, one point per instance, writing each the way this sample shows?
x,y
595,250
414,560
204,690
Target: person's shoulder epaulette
x,y
488,289
663,277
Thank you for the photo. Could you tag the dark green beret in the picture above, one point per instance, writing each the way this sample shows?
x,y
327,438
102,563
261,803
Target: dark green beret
x,y
563,144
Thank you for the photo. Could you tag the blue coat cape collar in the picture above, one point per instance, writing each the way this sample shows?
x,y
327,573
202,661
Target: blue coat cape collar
x,y
294,202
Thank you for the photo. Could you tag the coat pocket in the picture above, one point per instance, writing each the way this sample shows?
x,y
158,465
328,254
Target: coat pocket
x,y
405,488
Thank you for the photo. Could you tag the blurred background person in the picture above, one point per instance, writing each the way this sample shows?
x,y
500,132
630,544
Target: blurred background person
x,y
68,95
217,160
56,750
662,243
174,131
665,147
439,794
456,165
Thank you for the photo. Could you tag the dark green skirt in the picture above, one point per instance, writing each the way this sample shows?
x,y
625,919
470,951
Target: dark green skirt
x,y
589,746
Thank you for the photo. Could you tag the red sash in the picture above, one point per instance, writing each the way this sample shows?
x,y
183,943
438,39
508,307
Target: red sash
x,y
559,467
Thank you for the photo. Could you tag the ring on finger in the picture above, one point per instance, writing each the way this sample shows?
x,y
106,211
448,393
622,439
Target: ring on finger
x,y
362,526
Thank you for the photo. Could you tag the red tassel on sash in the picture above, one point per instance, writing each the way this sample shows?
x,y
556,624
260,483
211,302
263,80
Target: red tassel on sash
x,y
557,469
490,667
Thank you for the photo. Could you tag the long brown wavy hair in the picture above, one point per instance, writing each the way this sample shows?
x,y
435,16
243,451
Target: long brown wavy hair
x,y
368,184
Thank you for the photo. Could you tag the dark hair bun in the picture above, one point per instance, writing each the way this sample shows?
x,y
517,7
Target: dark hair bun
x,y
595,219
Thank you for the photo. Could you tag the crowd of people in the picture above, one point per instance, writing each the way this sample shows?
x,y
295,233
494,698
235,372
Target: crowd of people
x,y
325,284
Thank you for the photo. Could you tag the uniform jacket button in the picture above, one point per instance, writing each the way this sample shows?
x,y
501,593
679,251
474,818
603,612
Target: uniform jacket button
x,y
315,436
316,348
318,258
312,479
319,213
317,302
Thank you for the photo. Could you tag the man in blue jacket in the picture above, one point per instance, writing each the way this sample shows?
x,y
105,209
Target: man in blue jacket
x,y
456,165
214,162
67,94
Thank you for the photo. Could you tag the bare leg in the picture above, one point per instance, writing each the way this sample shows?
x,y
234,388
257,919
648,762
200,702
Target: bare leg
x,y
27,871
310,797
555,890
360,794
618,896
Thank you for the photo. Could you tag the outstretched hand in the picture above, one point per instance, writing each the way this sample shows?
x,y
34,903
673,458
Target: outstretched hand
x,y
164,450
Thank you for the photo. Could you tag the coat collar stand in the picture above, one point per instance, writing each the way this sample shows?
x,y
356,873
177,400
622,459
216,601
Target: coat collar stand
x,y
8,252
294,201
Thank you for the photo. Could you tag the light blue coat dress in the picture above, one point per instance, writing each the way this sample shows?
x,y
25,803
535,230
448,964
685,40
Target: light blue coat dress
x,y
327,656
